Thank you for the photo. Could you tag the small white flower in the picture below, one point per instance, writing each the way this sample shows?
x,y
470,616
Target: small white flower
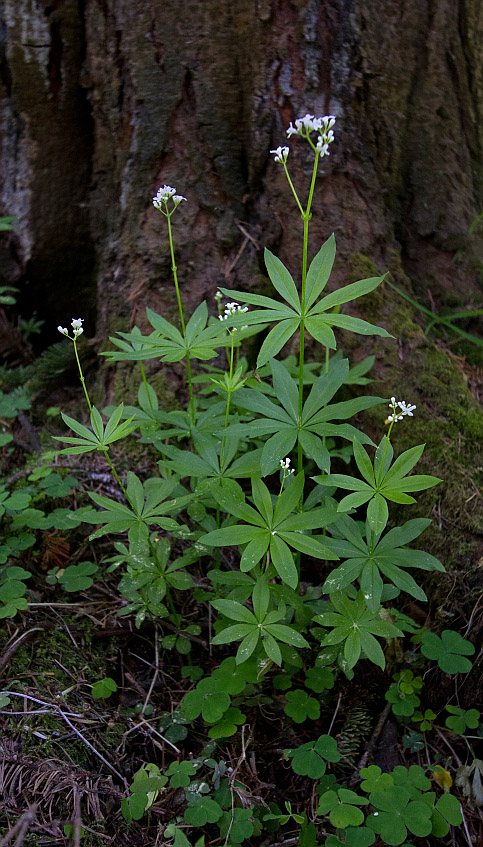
x,y
76,323
322,146
63,330
232,309
218,295
404,409
78,331
163,196
308,124
281,154
177,198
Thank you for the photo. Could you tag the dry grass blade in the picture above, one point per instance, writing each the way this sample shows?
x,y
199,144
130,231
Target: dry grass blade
x,y
53,785
20,828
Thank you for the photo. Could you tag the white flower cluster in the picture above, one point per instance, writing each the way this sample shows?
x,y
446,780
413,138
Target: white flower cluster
x,y
164,194
281,154
308,124
76,324
399,413
232,309
285,465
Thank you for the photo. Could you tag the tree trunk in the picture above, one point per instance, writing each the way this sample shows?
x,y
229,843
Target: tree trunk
x,y
103,101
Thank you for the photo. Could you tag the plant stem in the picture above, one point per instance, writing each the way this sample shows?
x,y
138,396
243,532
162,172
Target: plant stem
x,y
228,400
84,382
385,451
94,423
180,308
293,189
278,498
305,217
146,385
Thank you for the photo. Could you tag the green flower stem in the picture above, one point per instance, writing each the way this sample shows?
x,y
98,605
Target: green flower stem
x,y
84,384
143,374
105,452
228,400
279,496
180,308
385,450
305,217
293,189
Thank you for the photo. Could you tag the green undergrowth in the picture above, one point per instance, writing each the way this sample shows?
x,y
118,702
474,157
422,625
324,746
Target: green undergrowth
x,y
258,602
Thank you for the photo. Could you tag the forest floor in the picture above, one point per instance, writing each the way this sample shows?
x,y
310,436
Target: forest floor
x,y
69,751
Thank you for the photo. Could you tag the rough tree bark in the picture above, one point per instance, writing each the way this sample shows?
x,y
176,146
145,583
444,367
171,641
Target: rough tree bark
x,y
105,100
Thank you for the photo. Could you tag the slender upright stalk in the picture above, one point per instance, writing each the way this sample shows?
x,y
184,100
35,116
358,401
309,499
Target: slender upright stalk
x,y
305,217
81,375
378,480
228,400
143,374
180,308
94,423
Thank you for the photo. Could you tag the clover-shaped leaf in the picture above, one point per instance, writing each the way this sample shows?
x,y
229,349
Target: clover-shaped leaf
x,y
449,650
300,706
228,725
78,577
341,806
448,808
103,688
310,759
413,779
207,698
180,773
395,813
374,779
460,719
319,679
202,810
359,836
238,823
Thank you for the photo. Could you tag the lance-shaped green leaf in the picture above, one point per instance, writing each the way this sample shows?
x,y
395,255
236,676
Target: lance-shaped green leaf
x,y
98,437
283,420
168,344
317,317
319,272
355,625
275,532
251,628
370,559
149,506
214,461
382,481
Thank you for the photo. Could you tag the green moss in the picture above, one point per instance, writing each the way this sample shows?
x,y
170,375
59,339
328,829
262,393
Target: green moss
x,y
359,267
450,423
